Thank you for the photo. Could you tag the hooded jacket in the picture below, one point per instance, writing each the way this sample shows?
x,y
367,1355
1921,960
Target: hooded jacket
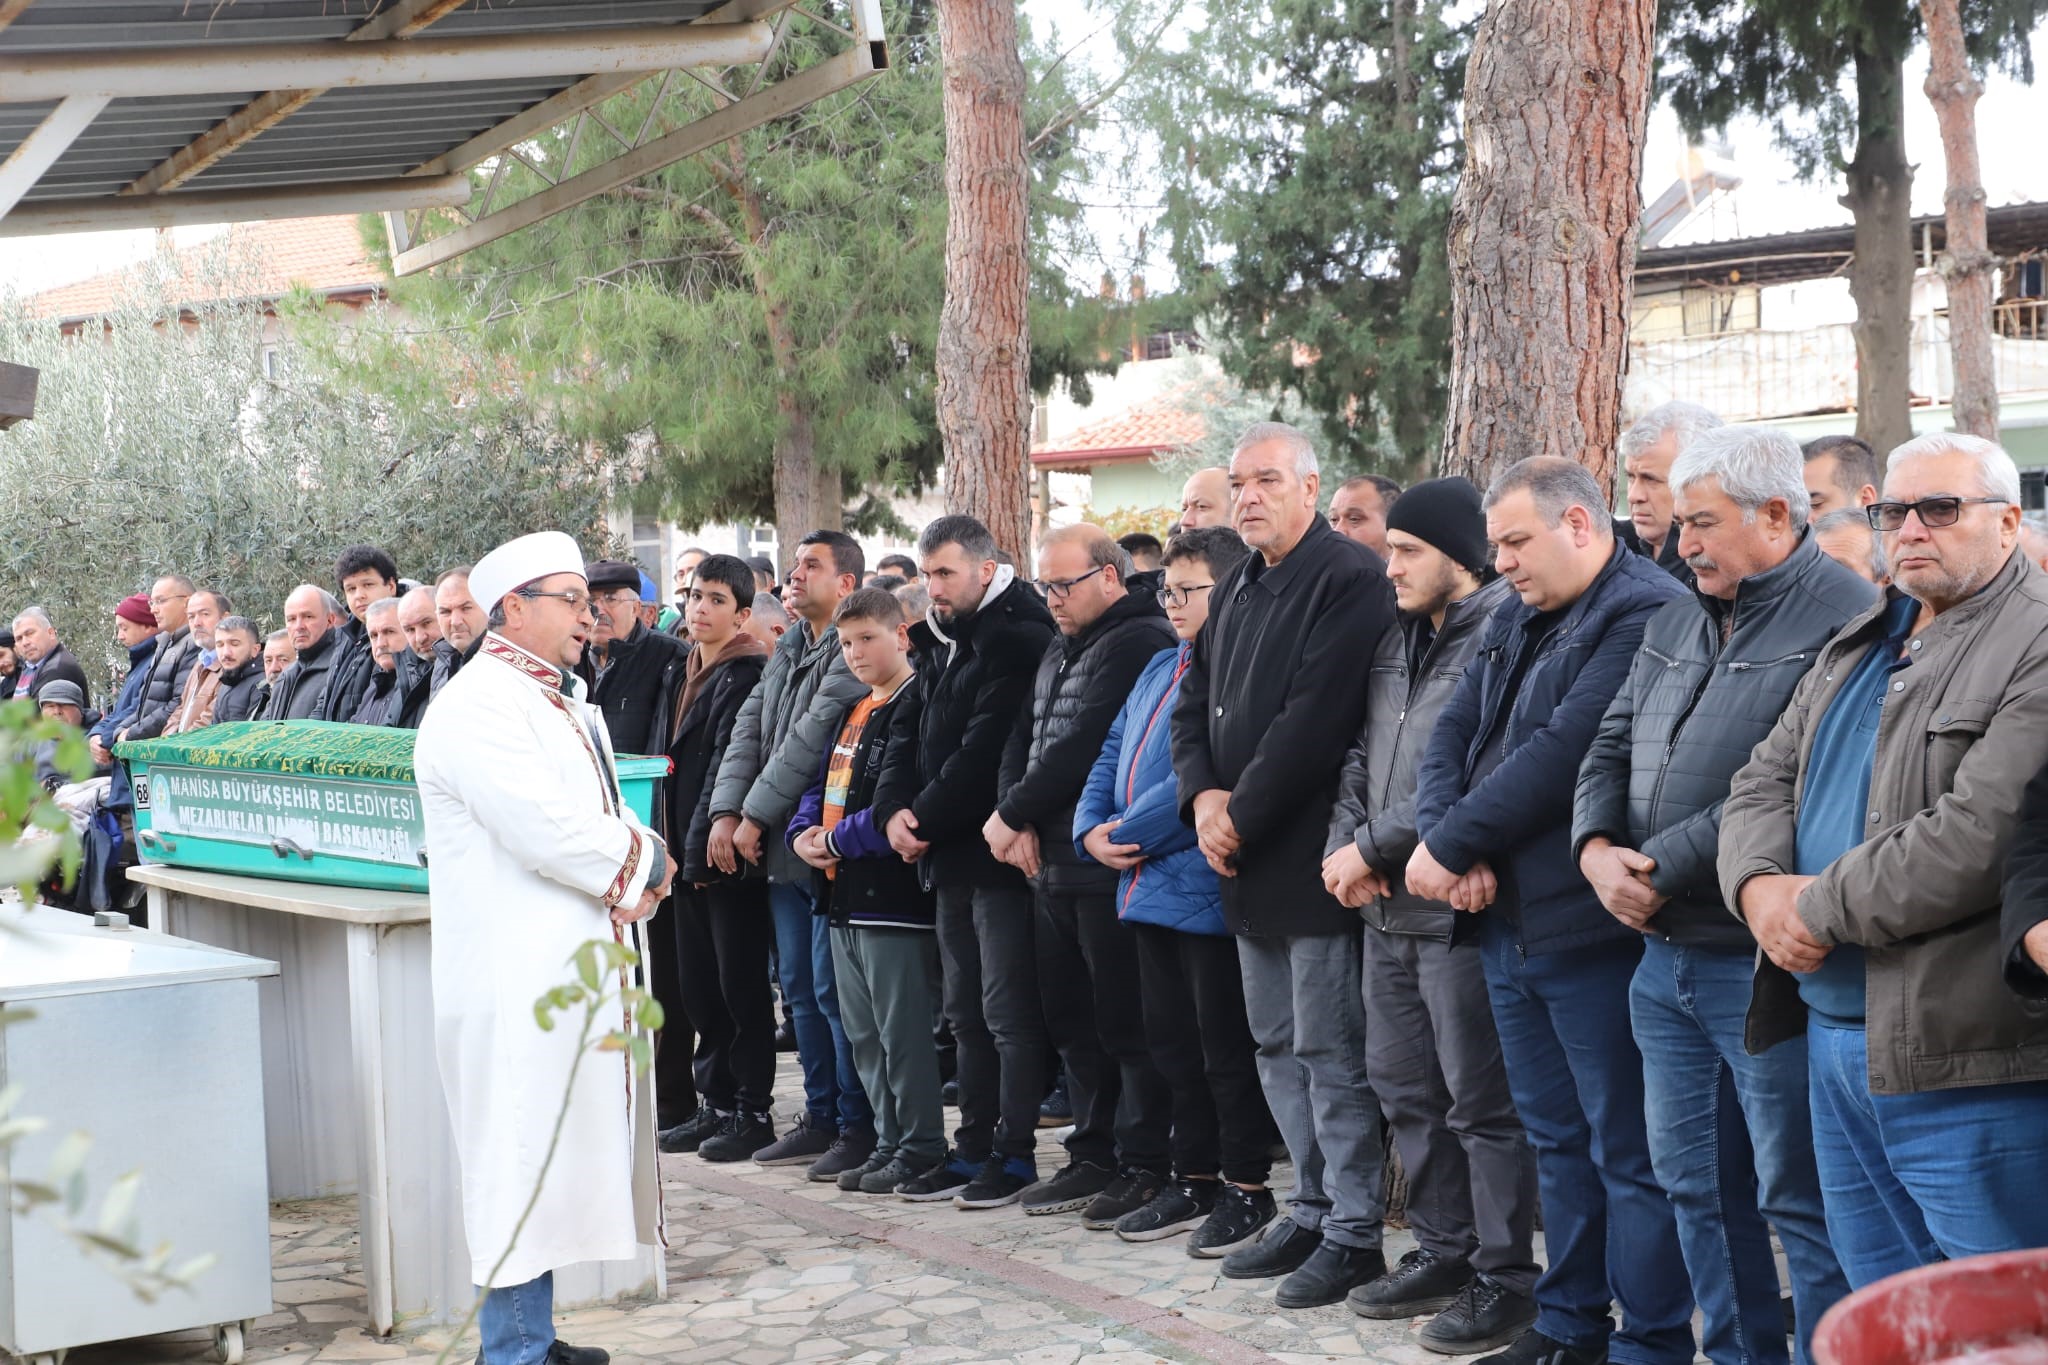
x,y
241,691
300,689
703,737
1081,685
1268,708
871,886
974,681
1693,708
779,737
1376,793
1538,688
1132,783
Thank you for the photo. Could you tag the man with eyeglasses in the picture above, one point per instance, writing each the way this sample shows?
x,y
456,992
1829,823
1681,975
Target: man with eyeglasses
x,y
1087,960
177,654
536,853
1273,697
1865,843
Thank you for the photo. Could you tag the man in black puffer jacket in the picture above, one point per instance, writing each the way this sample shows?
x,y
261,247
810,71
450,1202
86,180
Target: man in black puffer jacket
x,y
1715,671
977,651
1087,960
237,645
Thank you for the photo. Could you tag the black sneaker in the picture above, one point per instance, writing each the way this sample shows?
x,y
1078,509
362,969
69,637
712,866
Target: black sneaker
x,y
1238,1217
1280,1252
1423,1282
1056,1109
850,1180
806,1141
1174,1209
1132,1190
562,1353
886,1178
1533,1348
999,1181
1488,1314
849,1152
1331,1271
688,1137
1072,1186
738,1137
942,1181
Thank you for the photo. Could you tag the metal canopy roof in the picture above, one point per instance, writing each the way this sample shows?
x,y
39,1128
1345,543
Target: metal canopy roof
x,y
139,113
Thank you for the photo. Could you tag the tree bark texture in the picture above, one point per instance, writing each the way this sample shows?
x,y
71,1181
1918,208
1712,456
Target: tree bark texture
x,y
1543,232
983,356
1881,271
1967,263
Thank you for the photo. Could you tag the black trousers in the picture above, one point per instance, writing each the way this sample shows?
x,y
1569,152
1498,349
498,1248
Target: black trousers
x,y
724,933
1088,977
1193,992
675,1047
990,976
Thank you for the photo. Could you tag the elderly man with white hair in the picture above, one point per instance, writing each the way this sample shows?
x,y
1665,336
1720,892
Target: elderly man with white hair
x,y
43,657
1865,845
1648,448
535,854
1715,670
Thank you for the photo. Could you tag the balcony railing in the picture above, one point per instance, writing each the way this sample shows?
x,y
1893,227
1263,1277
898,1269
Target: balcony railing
x,y
1752,375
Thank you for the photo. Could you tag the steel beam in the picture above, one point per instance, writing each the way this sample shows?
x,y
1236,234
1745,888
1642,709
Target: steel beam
x,y
177,210
773,102
28,79
40,149
267,110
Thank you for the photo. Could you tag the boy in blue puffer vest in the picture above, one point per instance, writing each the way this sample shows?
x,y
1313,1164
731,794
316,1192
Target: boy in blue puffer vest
x,y
1128,818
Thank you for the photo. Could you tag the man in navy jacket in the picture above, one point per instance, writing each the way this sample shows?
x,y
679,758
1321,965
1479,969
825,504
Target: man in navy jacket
x,y
1493,809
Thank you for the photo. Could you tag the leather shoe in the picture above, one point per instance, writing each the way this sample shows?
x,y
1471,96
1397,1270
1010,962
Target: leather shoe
x,y
562,1353
1286,1245
1329,1274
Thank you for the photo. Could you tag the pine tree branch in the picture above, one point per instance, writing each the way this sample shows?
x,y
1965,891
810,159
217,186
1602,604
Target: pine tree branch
x,y
1083,108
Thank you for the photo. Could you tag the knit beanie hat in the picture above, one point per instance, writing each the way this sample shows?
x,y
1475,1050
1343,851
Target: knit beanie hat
x,y
136,608
1444,513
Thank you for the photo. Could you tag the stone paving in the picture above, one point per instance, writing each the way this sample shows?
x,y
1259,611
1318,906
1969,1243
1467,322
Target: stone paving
x,y
766,1268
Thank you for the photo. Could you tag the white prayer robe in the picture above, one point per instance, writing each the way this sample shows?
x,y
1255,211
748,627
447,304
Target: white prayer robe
x,y
529,848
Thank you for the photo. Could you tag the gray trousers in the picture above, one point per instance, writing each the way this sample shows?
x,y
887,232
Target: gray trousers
x,y
1434,1060
887,979
1302,998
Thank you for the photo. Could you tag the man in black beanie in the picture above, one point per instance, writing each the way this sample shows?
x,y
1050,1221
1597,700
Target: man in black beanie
x,y
1431,1051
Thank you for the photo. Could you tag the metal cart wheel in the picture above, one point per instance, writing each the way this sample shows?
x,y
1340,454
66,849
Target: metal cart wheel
x,y
227,1343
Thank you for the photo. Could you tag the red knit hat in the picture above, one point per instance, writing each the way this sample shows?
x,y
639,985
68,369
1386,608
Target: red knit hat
x,y
136,608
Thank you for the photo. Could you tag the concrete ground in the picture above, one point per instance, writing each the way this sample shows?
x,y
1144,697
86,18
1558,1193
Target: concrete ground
x,y
764,1268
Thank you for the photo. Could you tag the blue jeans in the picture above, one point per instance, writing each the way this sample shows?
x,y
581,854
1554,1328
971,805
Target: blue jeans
x,y
1731,1137
1577,1080
803,962
1913,1179
518,1322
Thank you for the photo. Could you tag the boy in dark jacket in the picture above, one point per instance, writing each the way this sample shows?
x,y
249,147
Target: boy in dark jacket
x,y
884,954
722,925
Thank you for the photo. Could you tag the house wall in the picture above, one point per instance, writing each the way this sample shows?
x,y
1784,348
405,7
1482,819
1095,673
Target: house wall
x,y
1134,485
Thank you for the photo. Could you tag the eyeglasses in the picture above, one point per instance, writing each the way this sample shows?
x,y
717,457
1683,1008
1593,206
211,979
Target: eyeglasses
x,y
1060,587
1178,597
1933,512
578,600
170,597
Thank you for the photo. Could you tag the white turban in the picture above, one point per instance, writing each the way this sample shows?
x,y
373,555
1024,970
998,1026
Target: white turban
x,y
518,562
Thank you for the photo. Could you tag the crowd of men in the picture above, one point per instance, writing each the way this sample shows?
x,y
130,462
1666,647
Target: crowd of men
x,y
1670,874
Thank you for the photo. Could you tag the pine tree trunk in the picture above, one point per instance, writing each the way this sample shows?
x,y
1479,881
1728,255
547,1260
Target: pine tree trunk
x,y
984,381
1543,232
806,497
1967,264
1881,272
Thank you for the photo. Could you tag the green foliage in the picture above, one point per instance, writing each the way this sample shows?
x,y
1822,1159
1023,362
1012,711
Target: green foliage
x,y
1787,61
26,809
788,280
160,444
1308,181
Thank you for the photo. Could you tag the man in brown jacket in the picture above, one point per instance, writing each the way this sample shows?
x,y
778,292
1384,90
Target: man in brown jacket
x,y
1864,843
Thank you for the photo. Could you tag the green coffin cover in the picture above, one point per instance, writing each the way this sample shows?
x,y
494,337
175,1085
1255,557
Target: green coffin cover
x,y
308,800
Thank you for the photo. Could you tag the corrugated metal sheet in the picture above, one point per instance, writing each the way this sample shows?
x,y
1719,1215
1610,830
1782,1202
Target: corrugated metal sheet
x,y
355,134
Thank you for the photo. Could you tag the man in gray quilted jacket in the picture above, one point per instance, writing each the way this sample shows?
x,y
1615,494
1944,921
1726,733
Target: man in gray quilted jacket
x,y
1715,670
778,744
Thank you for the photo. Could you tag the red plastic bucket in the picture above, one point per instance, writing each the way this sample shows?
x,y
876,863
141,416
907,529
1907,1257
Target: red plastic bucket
x,y
1988,1310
